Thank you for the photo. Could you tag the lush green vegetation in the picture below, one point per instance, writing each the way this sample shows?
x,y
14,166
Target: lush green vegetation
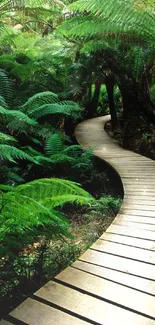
x,y
62,62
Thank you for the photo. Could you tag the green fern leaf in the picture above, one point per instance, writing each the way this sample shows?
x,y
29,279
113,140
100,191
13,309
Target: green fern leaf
x,y
53,145
12,154
38,100
52,109
20,116
5,138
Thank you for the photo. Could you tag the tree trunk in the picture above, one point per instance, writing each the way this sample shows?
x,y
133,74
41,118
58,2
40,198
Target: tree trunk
x,y
110,83
92,106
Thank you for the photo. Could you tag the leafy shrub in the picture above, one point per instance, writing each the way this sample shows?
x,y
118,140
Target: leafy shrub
x,y
30,210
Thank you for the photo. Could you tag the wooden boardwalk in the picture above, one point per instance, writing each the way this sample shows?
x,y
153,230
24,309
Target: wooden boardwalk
x,y
114,281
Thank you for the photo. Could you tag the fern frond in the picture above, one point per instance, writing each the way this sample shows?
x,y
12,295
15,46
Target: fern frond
x,y
3,102
38,100
12,154
5,138
114,18
62,158
18,115
6,90
47,188
28,210
53,144
10,176
52,109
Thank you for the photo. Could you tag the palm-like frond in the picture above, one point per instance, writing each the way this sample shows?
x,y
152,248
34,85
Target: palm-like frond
x,y
18,115
38,100
6,90
54,144
12,153
3,102
28,210
5,138
46,188
114,18
52,109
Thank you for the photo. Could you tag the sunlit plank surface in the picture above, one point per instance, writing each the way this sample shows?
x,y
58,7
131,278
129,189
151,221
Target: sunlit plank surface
x,y
114,281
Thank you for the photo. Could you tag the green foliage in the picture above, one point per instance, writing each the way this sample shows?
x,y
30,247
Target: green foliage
x,y
113,19
5,138
12,154
107,204
39,100
17,116
48,103
54,144
6,90
29,211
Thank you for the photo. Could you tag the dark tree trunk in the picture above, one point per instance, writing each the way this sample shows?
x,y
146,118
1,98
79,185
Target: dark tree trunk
x,y
135,101
110,83
92,106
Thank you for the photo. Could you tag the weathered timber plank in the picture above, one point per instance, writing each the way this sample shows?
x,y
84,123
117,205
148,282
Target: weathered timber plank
x,y
137,219
124,251
126,279
36,313
105,289
90,307
138,207
136,212
131,231
141,202
119,263
135,242
136,225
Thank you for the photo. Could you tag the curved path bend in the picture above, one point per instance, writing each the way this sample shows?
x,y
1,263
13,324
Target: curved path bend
x,y
113,282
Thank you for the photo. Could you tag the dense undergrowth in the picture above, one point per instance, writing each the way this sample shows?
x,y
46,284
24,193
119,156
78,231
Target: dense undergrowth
x,y
42,255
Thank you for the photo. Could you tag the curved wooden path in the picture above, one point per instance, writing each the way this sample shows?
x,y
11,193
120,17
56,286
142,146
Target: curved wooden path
x,y
114,281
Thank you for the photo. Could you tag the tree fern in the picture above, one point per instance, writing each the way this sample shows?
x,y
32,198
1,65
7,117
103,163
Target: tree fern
x,y
18,115
48,103
54,144
10,175
110,18
12,153
29,209
53,109
5,138
6,90
3,102
38,100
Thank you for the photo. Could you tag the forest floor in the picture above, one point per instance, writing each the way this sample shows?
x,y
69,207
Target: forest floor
x,y
40,262
141,138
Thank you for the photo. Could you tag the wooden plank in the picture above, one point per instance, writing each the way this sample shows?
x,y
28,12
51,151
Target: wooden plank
x,y
119,263
4,322
137,206
89,307
131,241
125,251
36,313
140,181
141,193
136,225
109,290
137,212
142,202
131,231
126,279
139,187
137,219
